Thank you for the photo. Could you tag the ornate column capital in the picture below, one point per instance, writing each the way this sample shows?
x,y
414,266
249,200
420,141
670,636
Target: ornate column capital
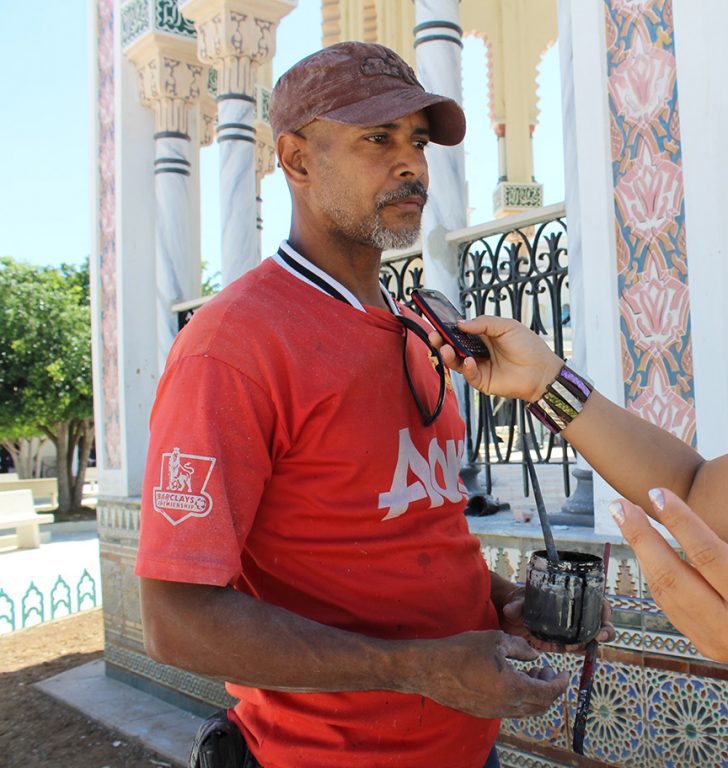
x,y
235,37
265,149
207,118
171,78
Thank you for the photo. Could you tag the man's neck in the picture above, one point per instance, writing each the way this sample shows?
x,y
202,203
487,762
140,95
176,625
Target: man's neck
x,y
354,265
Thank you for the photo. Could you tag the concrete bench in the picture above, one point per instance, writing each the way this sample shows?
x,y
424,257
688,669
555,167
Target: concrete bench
x,y
17,511
44,491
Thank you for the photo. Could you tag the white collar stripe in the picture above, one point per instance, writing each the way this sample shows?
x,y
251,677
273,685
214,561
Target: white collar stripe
x,y
304,270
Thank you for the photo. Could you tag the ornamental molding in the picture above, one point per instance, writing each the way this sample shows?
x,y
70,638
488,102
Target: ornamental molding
x,y
235,37
262,103
265,150
509,195
207,119
170,78
139,17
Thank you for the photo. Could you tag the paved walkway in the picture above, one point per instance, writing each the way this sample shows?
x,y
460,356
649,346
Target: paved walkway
x,y
159,726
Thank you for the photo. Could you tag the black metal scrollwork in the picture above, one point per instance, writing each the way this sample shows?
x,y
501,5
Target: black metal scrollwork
x,y
523,274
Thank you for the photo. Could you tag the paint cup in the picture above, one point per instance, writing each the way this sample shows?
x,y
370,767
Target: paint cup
x,y
563,602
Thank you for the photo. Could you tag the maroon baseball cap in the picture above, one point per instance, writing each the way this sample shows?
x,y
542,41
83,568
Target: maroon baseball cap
x,y
359,84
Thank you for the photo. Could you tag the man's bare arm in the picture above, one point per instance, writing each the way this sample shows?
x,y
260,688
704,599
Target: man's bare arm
x,y
225,634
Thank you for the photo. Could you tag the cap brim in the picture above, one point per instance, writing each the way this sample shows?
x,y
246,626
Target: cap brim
x,y
446,118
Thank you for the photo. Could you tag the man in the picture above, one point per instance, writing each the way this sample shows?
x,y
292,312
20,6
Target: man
x,y
322,564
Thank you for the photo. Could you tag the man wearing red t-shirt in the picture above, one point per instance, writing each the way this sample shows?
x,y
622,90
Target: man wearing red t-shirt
x,y
303,535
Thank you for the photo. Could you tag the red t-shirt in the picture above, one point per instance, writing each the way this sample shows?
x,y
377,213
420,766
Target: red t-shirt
x,y
287,458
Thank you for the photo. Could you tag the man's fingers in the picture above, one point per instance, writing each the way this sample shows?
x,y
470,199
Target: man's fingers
x,y
518,648
514,608
705,550
537,694
607,633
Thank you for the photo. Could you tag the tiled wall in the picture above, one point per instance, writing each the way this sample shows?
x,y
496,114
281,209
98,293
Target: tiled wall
x,y
656,702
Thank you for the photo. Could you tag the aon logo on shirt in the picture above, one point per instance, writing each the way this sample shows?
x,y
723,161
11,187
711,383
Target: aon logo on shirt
x,y
436,476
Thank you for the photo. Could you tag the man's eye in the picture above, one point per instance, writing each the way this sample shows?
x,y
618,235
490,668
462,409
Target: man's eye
x,y
421,144
377,138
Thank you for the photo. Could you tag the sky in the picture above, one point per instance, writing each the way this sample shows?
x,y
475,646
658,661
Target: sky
x,y
46,130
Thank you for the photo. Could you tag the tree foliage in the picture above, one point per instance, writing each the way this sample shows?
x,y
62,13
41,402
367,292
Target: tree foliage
x,y
45,364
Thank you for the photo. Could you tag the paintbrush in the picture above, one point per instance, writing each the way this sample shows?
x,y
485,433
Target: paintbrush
x,y
548,538
586,681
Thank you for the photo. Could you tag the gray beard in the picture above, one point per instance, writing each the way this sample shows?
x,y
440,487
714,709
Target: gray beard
x,y
371,231
383,238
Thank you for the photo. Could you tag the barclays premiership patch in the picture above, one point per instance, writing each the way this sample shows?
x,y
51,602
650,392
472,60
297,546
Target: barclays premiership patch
x,y
181,491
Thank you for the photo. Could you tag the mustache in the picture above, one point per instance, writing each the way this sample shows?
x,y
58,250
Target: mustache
x,y
407,189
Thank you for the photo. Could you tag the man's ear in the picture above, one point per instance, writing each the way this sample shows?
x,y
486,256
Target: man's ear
x,y
291,149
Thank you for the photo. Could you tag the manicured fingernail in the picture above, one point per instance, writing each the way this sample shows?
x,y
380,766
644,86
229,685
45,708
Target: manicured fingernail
x,y
617,512
657,498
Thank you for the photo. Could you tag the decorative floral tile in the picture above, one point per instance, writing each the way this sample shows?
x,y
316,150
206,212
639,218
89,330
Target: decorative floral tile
x,y
615,725
686,721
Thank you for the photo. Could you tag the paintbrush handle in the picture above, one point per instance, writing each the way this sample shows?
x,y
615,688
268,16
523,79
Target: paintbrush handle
x,y
586,681
551,551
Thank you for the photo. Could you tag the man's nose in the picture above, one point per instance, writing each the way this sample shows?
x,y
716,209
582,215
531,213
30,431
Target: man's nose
x,y
412,164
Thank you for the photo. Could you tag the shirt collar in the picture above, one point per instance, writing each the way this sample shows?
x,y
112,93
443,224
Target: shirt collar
x,y
306,271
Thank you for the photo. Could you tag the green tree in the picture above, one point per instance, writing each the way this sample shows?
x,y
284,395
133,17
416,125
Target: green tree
x,y
45,367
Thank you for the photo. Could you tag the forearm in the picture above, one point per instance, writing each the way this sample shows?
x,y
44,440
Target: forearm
x,y
225,634
633,455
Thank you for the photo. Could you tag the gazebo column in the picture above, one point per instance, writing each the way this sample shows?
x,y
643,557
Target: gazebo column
x,y
438,48
170,82
265,155
236,37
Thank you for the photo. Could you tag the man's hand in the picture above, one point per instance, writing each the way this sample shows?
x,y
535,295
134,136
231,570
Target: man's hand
x,y
521,365
512,622
471,672
694,594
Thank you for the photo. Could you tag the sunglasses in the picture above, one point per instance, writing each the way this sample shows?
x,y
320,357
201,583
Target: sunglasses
x,y
427,416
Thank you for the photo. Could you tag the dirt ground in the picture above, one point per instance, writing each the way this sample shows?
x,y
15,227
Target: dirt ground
x,y
35,729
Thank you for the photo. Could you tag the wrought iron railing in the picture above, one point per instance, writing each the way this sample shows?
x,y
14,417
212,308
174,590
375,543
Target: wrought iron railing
x,y
515,267
401,272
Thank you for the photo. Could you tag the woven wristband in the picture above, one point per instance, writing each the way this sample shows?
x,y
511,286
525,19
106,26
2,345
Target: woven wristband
x,y
562,401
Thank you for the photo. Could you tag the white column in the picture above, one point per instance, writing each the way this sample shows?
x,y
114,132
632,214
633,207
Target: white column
x,y
170,81
590,212
174,236
700,62
238,207
438,47
236,37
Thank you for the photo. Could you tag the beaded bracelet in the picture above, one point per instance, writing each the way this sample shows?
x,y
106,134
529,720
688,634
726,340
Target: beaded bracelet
x,y
562,401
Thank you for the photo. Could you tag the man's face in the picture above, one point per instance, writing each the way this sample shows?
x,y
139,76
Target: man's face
x,y
370,184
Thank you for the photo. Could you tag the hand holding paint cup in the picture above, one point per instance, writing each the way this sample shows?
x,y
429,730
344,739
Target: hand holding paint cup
x,y
563,600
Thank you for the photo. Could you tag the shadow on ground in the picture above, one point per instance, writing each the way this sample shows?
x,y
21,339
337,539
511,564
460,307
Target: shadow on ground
x,y
36,729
